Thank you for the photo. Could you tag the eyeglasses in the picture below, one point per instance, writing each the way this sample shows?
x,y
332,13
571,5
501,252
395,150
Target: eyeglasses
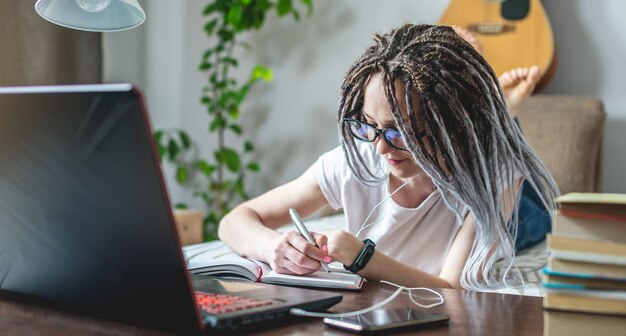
x,y
368,133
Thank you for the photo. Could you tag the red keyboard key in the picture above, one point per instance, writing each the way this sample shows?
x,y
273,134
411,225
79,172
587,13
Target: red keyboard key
x,y
223,303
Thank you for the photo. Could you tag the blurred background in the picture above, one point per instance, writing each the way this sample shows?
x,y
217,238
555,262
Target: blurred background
x,y
292,119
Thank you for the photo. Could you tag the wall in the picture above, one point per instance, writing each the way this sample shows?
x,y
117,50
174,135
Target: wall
x,y
292,119
590,37
37,52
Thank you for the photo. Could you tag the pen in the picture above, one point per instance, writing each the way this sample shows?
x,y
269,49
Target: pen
x,y
304,232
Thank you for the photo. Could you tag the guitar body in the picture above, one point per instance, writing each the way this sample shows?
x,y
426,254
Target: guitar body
x,y
513,33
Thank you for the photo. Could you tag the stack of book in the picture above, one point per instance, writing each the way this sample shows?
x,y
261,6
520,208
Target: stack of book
x,y
585,279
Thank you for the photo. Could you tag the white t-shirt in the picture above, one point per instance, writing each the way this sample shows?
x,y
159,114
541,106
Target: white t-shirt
x,y
419,237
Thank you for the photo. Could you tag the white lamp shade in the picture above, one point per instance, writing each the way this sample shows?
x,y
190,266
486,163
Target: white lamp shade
x,y
92,15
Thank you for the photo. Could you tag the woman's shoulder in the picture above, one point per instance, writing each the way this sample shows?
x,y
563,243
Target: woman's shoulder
x,y
363,151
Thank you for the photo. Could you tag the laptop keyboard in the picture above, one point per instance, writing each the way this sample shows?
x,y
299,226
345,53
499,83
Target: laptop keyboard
x,y
224,303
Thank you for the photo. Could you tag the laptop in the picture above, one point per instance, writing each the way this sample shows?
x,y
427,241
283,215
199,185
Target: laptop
x,y
86,223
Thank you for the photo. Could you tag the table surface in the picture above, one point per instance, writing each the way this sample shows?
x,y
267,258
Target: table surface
x,y
471,313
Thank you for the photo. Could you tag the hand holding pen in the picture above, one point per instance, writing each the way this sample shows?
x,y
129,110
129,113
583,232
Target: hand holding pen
x,y
305,233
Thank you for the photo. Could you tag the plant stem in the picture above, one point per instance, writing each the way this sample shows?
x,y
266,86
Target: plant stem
x,y
220,141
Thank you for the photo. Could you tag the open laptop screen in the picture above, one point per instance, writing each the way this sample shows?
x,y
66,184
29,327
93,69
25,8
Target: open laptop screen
x,y
84,219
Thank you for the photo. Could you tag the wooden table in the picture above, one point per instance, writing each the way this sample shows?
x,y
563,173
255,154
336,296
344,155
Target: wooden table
x,y
471,313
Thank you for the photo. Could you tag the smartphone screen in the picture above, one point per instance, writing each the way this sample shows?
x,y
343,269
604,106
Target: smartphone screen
x,y
385,319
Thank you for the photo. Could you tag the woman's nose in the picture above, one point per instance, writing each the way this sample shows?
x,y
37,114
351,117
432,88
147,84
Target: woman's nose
x,y
382,147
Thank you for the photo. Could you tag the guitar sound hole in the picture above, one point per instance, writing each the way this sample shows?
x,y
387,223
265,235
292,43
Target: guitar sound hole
x,y
515,9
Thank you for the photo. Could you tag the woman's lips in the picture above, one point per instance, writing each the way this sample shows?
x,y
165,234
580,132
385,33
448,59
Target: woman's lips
x,y
393,162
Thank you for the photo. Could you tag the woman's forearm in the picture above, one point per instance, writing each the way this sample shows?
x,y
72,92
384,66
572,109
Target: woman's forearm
x,y
381,267
243,231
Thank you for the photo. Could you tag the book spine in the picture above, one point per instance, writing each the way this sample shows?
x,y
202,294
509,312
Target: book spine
x,y
589,257
570,323
590,247
590,270
593,215
590,229
584,303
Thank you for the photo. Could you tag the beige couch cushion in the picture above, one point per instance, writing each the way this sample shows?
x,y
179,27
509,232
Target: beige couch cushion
x,y
566,131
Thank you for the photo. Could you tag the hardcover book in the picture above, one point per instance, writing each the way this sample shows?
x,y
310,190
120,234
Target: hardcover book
x,y
557,323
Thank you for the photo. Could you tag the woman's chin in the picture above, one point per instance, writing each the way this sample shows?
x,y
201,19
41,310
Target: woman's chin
x,y
404,171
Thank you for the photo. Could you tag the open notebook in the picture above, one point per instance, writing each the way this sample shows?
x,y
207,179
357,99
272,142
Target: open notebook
x,y
255,270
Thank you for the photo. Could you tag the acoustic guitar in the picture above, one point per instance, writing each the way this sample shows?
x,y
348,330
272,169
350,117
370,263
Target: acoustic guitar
x,y
513,33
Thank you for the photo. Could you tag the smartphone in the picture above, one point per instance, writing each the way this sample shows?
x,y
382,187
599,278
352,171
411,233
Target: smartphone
x,y
387,319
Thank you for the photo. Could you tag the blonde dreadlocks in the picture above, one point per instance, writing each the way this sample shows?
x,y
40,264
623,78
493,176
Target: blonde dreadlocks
x,y
472,148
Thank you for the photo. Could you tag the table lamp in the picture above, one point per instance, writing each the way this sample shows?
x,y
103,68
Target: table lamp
x,y
92,15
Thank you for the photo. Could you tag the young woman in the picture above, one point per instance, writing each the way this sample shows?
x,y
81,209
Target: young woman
x,y
429,170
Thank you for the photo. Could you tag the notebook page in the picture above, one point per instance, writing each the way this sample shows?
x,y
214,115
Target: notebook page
x,y
337,278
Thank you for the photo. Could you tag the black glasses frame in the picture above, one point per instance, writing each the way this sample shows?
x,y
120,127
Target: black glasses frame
x,y
377,132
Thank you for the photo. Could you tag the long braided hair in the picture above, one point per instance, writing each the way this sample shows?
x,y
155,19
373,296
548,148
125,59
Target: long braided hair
x,y
472,147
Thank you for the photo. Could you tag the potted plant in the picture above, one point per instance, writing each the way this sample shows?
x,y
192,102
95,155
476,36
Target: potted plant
x,y
220,180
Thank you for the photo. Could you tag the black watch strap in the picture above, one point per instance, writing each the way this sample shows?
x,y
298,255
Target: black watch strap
x,y
363,257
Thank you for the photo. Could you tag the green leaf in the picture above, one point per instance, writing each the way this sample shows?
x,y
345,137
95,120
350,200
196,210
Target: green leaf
x,y
260,72
157,136
236,128
203,195
241,95
221,84
230,158
211,221
213,78
172,148
207,54
248,147
206,168
239,188
296,15
263,5
230,60
181,174
212,7
259,18
309,5
206,100
218,122
211,218
245,2
208,28
180,205
227,97
184,139
160,148
226,185
283,7
234,15
204,66
253,166
162,151
233,112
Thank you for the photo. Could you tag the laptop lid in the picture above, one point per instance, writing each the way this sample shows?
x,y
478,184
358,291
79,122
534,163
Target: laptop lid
x,y
85,220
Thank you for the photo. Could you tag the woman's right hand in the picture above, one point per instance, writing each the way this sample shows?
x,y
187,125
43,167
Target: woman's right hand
x,y
290,253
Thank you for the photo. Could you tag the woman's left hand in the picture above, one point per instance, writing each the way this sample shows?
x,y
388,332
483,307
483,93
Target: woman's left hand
x,y
343,246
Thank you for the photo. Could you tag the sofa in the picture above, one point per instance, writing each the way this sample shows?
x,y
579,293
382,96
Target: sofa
x,y
566,131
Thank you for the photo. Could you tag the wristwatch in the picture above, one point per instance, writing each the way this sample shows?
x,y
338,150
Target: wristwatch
x,y
363,257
